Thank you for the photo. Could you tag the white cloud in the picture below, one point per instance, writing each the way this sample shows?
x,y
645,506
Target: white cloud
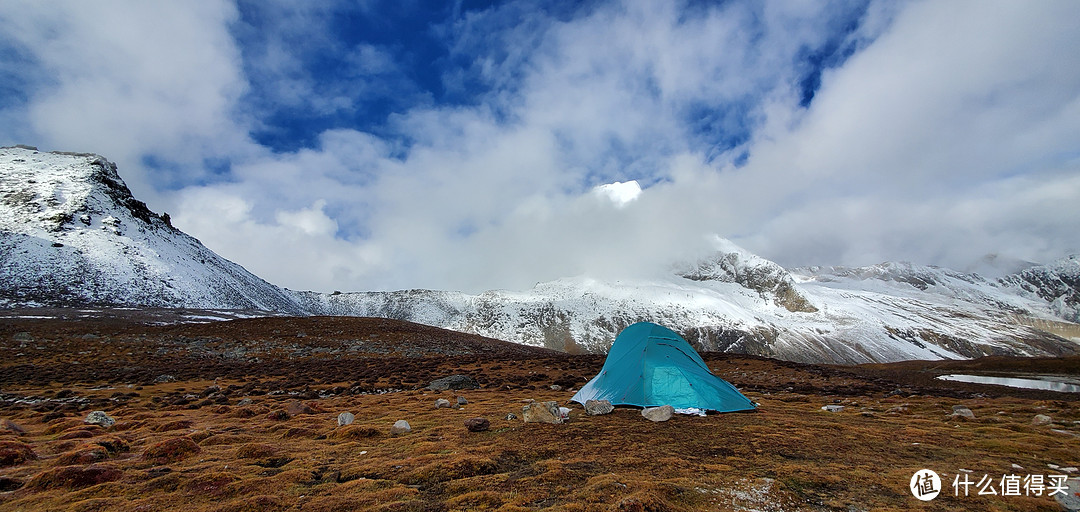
x,y
619,193
306,254
953,101
949,133
132,78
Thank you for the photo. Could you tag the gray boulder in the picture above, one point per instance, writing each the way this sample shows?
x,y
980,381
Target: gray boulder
x,y
400,427
1070,500
461,400
598,407
541,412
100,418
662,413
832,408
960,411
345,418
441,403
1041,419
453,382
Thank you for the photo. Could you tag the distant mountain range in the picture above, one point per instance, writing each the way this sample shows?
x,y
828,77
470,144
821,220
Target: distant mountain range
x,y
71,234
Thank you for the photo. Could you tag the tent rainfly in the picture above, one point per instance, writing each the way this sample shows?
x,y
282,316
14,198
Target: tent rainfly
x,y
650,365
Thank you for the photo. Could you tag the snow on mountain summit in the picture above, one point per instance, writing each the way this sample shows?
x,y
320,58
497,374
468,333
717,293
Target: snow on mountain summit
x,y
71,233
733,264
737,302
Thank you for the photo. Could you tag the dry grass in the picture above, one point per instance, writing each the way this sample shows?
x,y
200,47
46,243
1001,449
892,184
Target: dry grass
x,y
178,447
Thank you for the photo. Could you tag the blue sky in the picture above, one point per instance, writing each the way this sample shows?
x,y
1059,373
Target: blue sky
x,y
466,145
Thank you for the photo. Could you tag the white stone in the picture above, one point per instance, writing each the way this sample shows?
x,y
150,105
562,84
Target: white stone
x,y
662,413
100,418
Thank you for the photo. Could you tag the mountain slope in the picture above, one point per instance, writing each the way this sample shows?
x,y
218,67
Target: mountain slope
x,y
72,234
887,312
1058,283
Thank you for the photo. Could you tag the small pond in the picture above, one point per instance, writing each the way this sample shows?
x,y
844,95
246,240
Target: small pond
x,y
1042,382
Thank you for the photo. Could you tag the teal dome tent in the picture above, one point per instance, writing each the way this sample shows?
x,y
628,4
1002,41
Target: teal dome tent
x,y
650,365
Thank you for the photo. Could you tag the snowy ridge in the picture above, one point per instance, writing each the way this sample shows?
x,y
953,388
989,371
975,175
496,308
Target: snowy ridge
x,y
1058,283
738,302
72,234
854,321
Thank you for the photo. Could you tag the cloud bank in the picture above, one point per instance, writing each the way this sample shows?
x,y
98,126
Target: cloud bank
x,y
362,147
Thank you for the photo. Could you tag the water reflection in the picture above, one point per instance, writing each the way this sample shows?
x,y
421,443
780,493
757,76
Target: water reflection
x,y
1043,382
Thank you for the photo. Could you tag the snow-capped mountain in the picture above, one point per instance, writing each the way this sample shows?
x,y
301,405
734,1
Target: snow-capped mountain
x,y
72,234
887,312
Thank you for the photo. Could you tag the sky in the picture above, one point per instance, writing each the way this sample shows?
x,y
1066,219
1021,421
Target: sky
x,y
473,145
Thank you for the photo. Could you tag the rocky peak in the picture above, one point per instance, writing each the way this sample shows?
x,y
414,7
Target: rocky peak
x,y
65,187
732,264
1058,283
71,233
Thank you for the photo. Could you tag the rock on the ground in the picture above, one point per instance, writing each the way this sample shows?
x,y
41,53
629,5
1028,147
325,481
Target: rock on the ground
x,y
441,403
1041,419
511,417
960,411
477,424
662,413
12,427
1070,500
453,382
461,400
541,412
598,407
832,408
345,418
400,427
100,418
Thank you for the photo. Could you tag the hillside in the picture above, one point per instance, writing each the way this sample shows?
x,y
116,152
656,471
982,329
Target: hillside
x,y
71,234
741,303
